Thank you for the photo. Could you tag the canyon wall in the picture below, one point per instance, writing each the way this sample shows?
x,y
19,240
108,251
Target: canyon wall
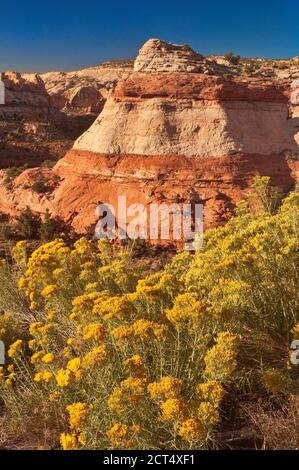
x,y
165,136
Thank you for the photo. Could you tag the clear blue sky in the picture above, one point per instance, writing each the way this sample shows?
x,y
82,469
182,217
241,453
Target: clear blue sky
x,y
65,35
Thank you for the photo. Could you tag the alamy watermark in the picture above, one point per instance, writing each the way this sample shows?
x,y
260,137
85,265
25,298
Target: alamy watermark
x,y
173,222
2,92
294,356
294,99
2,353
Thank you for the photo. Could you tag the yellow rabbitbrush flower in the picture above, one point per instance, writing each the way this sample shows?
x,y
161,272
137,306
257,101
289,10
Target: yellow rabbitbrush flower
x,y
149,329
192,430
54,396
173,410
48,358
167,387
221,359
15,349
208,413
68,441
122,436
115,307
96,357
74,366
130,391
63,378
187,309
9,381
92,331
83,305
78,413
135,365
34,327
210,391
162,333
43,376
49,290
122,332
19,253
36,357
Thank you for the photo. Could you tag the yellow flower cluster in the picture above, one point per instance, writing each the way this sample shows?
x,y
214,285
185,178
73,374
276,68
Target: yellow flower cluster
x,y
93,331
210,391
69,441
173,409
151,352
63,377
130,391
43,376
141,328
48,358
49,290
136,365
191,430
15,349
122,435
9,378
78,413
167,387
221,359
187,308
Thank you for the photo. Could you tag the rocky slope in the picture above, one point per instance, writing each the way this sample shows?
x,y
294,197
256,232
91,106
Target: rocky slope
x,y
192,133
85,89
43,115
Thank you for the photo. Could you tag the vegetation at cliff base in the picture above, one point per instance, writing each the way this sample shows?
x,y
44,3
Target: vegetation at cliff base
x,y
103,354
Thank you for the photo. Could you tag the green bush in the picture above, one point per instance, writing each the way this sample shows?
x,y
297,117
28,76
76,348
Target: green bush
x,y
39,186
28,224
232,58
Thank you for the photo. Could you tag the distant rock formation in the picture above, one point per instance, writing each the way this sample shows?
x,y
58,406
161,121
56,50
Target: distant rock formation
x,y
24,96
87,89
161,56
168,131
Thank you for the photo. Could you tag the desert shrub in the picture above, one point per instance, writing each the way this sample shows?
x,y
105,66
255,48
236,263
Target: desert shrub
x,y
56,179
13,172
28,224
232,58
187,47
6,231
282,65
40,186
49,227
117,358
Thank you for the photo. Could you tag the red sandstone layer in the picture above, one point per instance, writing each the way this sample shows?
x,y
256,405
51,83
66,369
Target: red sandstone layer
x,y
88,178
200,87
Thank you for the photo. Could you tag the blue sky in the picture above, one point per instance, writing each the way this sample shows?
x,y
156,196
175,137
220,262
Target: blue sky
x,y
65,35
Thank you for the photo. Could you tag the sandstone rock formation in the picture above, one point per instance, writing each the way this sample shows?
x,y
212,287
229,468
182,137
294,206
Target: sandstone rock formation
x,y
163,136
24,97
31,129
87,88
161,56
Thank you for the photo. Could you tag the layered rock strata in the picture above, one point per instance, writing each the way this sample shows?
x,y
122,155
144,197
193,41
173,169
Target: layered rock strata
x,y
173,137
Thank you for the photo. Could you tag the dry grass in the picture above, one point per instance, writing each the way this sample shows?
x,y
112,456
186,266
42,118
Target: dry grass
x,y
277,428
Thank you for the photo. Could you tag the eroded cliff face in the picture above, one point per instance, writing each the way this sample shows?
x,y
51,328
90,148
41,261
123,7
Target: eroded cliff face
x,y
163,136
85,90
193,115
26,97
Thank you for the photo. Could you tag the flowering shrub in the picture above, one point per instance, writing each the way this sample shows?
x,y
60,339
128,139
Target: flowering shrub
x,y
113,357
